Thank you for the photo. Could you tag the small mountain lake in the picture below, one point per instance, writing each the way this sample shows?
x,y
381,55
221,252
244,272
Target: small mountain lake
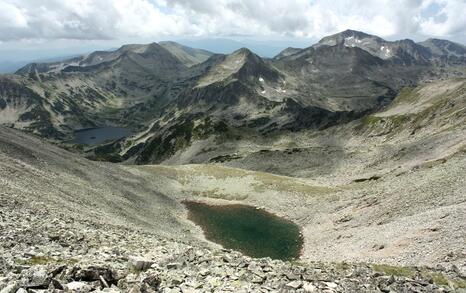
x,y
95,136
252,231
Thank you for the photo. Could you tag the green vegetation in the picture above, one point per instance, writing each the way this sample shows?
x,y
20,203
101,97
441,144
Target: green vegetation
x,y
113,158
445,106
259,181
408,272
106,153
224,158
368,121
180,136
44,260
342,266
439,106
41,122
3,104
389,123
394,270
406,95
207,127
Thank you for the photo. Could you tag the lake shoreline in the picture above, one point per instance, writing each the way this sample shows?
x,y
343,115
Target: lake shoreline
x,y
99,135
270,217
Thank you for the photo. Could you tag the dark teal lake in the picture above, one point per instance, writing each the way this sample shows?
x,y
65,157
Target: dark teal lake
x,y
94,136
252,231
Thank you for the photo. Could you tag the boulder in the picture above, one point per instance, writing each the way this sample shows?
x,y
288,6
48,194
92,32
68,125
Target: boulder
x,y
35,278
293,285
94,273
139,264
308,287
153,281
173,266
76,286
10,288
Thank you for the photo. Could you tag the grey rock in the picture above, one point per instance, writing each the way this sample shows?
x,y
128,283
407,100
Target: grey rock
x,y
35,277
294,285
76,286
140,264
309,287
110,290
171,266
331,285
94,273
153,281
10,288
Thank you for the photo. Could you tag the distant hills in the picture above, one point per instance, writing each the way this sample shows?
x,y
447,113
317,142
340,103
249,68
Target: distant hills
x,y
11,66
11,61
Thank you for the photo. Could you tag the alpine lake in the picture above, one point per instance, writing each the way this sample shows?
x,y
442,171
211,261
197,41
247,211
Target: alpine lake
x,y
96,136
252,231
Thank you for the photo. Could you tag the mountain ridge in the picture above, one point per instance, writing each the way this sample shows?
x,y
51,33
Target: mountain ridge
x,y
155,88
184,54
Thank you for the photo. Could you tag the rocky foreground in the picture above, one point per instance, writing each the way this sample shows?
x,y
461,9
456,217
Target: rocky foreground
x,y
45,250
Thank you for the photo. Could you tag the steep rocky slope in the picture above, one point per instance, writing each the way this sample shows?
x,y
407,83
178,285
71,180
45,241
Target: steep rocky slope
x,y
40,174
73,224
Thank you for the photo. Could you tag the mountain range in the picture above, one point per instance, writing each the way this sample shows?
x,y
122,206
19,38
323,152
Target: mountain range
x,y
170,95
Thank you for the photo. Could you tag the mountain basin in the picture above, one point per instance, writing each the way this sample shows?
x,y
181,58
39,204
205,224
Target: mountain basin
x,y
95,136
252,231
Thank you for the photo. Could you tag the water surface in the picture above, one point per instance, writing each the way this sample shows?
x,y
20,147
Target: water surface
x,y
94,136
252,231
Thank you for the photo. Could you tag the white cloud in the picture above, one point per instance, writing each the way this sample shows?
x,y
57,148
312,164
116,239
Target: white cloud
x,y
11,16
117,19
449,20
85,19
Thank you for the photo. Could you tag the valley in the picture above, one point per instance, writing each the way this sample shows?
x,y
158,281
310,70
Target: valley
x,y
357,143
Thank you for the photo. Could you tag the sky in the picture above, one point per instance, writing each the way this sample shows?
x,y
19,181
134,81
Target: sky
x,y
45,28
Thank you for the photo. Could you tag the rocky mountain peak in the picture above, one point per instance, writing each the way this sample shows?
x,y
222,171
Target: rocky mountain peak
x,y
444,47
244,52
401,51
153,47
354,33
242,64
137,48
348,38
187,55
